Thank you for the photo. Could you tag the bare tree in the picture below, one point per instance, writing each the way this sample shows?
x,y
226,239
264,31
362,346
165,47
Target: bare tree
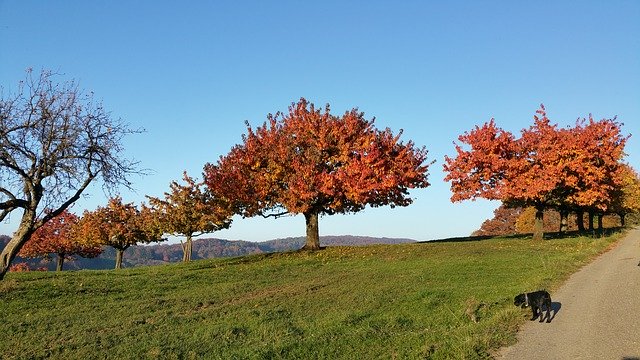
x,y
54,141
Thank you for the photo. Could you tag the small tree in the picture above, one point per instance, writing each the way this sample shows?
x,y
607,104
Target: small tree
x,y
313,163
56,237
502,223
120,226
54,141
189,210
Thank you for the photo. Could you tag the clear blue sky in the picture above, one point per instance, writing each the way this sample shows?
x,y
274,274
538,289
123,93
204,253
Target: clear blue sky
x,y
191,73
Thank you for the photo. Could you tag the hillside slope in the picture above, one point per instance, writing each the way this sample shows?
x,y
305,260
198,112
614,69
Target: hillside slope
x,y
441,300
206,248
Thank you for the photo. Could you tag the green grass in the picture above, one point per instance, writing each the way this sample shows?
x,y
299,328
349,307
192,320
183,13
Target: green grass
x,y
397,301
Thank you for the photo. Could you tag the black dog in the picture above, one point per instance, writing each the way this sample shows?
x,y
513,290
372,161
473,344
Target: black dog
x,y
536,300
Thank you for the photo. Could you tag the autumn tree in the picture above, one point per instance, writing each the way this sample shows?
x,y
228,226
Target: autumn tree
x,y
119,225
54,141
189,210
626,199
503,222
547,167
311,162
56,237
525,223
596,171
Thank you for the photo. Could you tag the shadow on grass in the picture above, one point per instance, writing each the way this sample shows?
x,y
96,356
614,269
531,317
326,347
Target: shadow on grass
x,y
547,236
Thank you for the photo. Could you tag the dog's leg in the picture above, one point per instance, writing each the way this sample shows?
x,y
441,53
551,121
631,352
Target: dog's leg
x,y
548,301
540,312
534,310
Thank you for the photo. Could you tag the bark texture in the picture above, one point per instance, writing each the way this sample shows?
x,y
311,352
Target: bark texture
x,y
18,239
59,262
538,228
313,235
187,249
119,255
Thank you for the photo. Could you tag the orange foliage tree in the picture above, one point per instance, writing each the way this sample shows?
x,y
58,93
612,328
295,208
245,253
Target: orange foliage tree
x,y
596,172
56,237
314,163
572,168
119,225
627,199
189,210
503,222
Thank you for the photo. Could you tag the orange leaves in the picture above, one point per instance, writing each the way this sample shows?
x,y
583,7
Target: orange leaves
x,y
56,237
189,209
628,193
598,161
481,170
547,165
309,160
119,225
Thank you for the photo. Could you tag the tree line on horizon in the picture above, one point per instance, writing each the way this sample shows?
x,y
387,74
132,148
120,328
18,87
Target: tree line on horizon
x,y
518,220
164,253
56,140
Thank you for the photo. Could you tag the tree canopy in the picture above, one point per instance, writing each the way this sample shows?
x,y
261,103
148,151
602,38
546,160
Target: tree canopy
x,y
57,237
189,210
547,166
311,162
119,225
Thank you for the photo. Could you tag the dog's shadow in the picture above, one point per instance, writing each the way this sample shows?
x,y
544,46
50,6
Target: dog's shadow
x,y
555,309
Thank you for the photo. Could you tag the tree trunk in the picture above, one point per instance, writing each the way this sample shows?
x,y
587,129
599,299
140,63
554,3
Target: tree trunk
x,y
313,235
591,221
187,249
564,220
580,220
622,220
60,262
119,254
538,227
17,241
600,228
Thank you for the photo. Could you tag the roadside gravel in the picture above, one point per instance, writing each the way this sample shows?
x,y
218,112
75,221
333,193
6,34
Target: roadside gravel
x,y
598,312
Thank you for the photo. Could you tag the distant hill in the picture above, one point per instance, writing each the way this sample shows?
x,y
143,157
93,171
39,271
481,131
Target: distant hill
x,y
202,249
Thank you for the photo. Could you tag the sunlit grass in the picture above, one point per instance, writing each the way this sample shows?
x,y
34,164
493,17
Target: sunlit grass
x,y
426,300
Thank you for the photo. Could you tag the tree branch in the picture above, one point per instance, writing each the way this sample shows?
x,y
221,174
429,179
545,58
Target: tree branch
x,y
13,204
275,215
69,201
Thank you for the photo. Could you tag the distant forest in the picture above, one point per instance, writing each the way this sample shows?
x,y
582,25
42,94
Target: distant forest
x,y
205,248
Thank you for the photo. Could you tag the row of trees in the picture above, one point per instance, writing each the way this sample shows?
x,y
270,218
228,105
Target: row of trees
x,y
186,210
307,162
55,140
574,169
510,221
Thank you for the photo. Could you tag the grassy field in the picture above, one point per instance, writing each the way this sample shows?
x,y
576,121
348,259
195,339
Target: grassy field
x,y
438,300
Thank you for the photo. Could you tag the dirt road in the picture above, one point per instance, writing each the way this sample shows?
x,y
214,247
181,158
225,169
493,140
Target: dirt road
x,y
598,312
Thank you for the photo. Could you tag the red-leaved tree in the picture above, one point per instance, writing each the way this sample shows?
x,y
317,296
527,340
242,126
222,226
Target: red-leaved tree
x,y
56,237
503,222
314,163
547,167
119,225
